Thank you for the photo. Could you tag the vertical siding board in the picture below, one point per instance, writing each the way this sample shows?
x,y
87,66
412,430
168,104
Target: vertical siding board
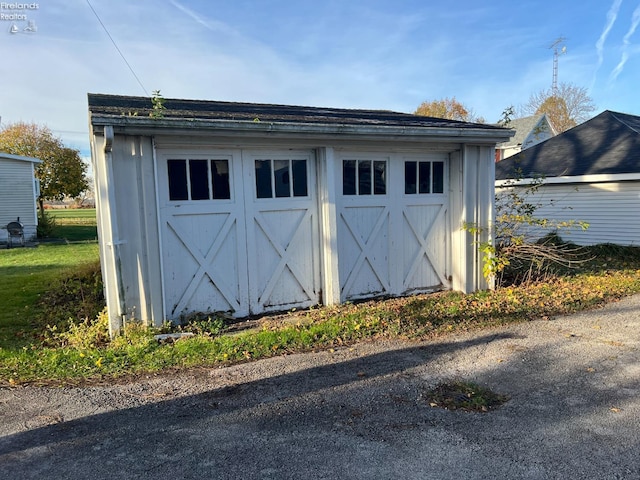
x,y
327,187
456,208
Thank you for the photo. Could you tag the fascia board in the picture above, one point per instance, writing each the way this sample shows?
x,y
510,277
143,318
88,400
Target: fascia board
x,y
144,126
601,178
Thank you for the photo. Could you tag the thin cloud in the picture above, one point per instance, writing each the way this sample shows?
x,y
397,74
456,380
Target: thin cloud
x,y
612,15
626,41
208,24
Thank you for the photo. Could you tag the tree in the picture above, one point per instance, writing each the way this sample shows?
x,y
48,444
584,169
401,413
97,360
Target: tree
x,y
62,172
448,108
565,108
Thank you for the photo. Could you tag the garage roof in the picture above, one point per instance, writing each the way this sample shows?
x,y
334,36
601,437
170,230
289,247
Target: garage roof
x,y
139,109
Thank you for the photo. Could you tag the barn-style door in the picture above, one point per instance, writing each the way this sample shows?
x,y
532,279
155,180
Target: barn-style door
x,y
424,234
392,220
239,231
282,230
201,201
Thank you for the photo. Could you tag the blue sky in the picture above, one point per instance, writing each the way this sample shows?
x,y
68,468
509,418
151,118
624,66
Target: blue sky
x,y
378,54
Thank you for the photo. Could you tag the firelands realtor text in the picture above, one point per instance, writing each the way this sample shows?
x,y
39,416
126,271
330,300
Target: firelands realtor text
x,y
8,10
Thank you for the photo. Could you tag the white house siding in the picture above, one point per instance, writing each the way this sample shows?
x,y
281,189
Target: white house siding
x,y
610,208
17,196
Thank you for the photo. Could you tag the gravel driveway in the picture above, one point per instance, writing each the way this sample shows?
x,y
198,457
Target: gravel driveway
x,y
356,413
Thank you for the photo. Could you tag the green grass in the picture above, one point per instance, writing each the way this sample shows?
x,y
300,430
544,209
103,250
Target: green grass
x,y
75,225
74,215
25,274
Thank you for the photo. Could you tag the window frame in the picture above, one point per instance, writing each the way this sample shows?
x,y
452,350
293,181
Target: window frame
x,y
187,178
291,175
372,171
434,180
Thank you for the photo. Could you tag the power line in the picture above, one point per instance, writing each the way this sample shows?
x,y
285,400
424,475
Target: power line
x,y
115,45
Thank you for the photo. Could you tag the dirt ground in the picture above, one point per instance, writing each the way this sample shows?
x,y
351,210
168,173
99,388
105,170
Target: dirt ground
x,y
359,412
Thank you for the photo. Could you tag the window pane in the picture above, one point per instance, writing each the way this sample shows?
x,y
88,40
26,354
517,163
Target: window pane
x,y
438,177
348,177
199,176
220,179
424,174
263,179
299,178
177,171
410,178
380,178
364,177
282,176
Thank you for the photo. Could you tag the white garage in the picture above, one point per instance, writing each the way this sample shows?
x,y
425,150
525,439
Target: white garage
x,y
249,208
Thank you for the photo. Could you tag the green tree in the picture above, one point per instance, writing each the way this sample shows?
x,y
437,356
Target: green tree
x,y
568,106
62,172
449,108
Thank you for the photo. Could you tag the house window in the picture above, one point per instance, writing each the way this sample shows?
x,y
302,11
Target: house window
x,y
282,178
423,177
198,179
364,177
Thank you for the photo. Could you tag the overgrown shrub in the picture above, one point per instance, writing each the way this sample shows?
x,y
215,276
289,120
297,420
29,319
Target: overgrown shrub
x,y
519,253
74,298
82,335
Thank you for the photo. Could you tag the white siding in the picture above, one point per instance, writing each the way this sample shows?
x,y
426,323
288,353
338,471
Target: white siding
x,y
128,229
610,208
17,197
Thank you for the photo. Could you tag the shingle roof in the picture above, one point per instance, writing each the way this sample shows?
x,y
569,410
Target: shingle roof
x,y
115,105
607,144
523,127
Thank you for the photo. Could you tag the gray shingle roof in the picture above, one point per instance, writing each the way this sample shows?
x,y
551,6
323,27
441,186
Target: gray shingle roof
x,y
523,127
117,106
607,144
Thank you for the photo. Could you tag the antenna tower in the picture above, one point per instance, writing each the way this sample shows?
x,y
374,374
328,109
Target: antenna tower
x,y
557,51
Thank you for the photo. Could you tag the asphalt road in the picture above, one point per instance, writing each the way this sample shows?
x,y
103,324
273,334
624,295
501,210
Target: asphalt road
x,y
355,413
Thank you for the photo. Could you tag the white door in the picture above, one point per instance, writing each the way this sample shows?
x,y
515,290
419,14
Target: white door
x,y
364,227
201,202
393,229
282,230
239,231
424,231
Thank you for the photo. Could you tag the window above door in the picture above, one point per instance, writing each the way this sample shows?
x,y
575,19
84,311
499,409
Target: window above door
x,y
198,179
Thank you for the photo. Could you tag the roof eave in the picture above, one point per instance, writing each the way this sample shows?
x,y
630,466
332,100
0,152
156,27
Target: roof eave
x,y
150,126
569,179
21,158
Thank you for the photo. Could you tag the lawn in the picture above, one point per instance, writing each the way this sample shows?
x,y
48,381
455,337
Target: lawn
x,y
75,225
26,273
40,286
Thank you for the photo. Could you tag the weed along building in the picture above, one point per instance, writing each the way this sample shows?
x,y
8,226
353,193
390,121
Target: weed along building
x,y
208,206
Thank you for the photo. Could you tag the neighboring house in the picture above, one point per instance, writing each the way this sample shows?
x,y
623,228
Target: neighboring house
x,y
18,192
591,173
529,132
251,208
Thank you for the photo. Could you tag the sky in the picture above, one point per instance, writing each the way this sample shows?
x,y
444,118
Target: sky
x,y
372,54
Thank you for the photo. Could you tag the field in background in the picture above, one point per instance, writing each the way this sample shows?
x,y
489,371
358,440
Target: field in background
x,y
75,225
